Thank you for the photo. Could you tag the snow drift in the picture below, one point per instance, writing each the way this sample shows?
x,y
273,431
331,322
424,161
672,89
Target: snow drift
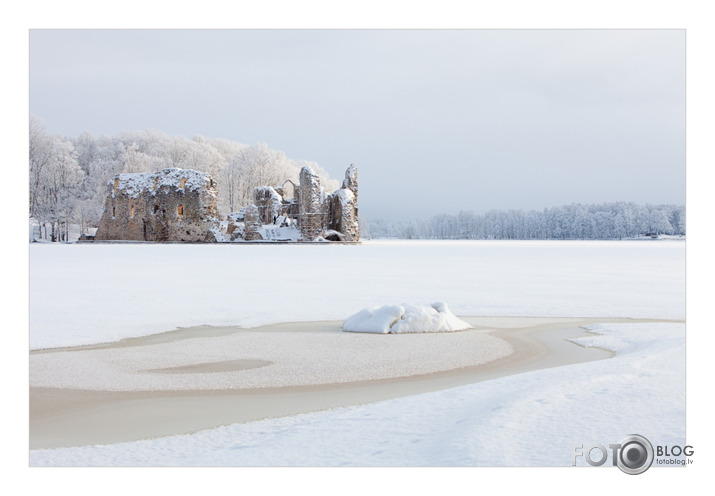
x,y
405,318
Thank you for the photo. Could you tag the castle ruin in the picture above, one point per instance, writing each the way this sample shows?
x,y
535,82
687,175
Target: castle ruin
x,y
304,208
179,205
168,205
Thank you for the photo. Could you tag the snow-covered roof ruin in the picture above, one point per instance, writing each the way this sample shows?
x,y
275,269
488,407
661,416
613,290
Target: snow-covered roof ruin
x,y
167,205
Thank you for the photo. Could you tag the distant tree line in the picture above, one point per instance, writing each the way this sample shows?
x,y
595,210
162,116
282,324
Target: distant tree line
x,y
617,220
68,176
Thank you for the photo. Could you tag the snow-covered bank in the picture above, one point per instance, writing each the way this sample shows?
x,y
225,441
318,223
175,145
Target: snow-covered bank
x,y
517,420
82,294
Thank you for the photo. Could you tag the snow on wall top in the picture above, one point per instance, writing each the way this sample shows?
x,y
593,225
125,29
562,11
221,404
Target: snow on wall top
x,y
345,196
308,170
350,175
237,216
134,184
267,191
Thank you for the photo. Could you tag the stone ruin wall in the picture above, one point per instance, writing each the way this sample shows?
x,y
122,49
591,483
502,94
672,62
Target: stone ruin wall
x,y
341,216
168,205
180,205
269,204
311,216
350,182
252,223
342,208
289,194
333,217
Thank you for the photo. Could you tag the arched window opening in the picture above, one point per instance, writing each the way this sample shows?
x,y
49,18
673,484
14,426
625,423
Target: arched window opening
x,y
180,211
288,189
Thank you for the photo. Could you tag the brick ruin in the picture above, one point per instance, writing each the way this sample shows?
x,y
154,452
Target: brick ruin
x,y
168,205
180,205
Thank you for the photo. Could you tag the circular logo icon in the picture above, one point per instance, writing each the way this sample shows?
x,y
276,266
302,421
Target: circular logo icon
x,y
635,455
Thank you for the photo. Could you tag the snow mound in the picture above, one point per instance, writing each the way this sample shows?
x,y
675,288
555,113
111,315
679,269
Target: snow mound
x,y
404,319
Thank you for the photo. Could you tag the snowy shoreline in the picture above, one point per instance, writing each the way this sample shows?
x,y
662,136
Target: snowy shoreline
x,y
324,367
483,411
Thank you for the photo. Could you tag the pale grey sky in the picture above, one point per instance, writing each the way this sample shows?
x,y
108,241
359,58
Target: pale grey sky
x,y
437,120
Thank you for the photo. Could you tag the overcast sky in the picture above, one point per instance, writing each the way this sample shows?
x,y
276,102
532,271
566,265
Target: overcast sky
x,y
437,121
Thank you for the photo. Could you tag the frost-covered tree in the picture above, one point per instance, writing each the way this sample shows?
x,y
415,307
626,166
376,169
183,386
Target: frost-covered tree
x,y
55,180
677,220
40,157
577,221
658,222
68,177
259,165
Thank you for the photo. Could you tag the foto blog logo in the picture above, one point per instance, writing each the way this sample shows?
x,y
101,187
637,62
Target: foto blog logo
x,y
633,454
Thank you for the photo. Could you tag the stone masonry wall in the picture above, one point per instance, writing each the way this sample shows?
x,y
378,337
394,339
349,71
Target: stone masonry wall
x,y
168,205
342,209
268,202
311,217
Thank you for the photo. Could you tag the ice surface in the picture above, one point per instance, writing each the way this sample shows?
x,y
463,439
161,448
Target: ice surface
x,y
83,294
299,356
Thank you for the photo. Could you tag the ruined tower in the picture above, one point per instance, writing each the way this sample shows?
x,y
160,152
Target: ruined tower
x,y
167,205
342,209
310,216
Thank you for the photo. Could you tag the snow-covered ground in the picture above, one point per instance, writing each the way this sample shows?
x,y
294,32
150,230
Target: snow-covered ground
x,y
95,293
89,293
532,419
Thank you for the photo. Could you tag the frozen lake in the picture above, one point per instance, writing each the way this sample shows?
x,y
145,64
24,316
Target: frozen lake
x,y
89,293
